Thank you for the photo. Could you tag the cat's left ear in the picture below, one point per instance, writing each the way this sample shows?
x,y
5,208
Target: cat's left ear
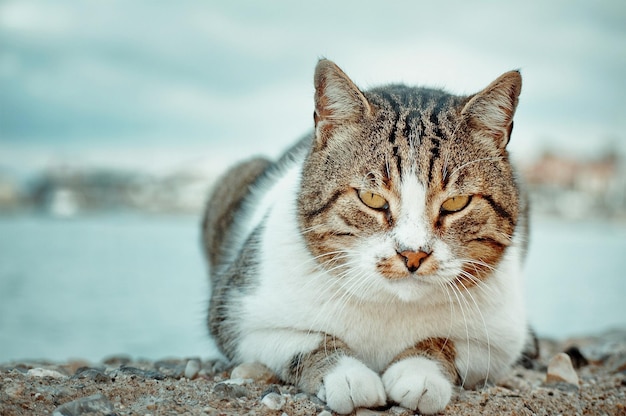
x,y
337,100
491,110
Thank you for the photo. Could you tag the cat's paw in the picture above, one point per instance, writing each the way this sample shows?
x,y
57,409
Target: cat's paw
x,y
351,384
418,384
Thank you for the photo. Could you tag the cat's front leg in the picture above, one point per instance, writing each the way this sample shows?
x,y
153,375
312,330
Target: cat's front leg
x,y
350,384
332,373
421,377
323,365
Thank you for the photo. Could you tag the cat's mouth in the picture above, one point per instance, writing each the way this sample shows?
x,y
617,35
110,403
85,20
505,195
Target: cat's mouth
x,y
409,265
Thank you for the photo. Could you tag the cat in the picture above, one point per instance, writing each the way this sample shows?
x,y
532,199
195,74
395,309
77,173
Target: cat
x,y
379,259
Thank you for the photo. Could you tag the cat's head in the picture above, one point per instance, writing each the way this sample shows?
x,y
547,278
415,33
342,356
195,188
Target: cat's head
x,y
406,190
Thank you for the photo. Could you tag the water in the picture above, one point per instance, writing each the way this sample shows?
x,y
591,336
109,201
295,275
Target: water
x,y
576,277
95,286
91,287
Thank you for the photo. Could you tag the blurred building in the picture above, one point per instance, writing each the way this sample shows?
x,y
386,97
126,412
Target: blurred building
x,y
575,188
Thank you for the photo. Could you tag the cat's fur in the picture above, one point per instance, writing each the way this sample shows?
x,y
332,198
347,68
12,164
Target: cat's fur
x,y
363,306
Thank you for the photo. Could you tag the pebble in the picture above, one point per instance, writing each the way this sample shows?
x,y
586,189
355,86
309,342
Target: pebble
x,y
171,367
301,397
14,390
229,390
561,370
271,389
192,368
44,372
94,374
237,381
217,366
145,374
255,371
274,401
324,413
95,404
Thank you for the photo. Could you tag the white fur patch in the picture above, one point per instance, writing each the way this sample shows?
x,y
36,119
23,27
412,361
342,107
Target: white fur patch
x,y
418,384
351,384
411,230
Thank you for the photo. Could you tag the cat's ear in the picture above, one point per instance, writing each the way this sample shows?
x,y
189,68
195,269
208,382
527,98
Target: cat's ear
x,y
491,110
337,100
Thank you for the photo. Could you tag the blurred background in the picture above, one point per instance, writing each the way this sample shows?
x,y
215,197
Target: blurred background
x,y
116,117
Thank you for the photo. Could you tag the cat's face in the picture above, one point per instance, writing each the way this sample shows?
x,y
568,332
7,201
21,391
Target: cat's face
x,y
407,191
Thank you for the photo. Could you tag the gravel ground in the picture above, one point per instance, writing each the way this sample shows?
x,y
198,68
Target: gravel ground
x,y
122,386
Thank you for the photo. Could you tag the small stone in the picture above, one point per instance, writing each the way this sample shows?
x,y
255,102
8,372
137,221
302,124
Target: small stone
x,y
192,368
94,374
561,370
398,410
274,401
255,371
229,390
44,372
14,390
324,413
145,374
237,381
217,366
299,397
96,404
271,389
316,400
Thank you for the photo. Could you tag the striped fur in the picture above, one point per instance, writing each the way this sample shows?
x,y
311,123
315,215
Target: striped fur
x,y
364,304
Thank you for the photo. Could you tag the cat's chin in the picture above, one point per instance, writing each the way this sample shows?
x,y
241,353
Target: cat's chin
x,y
412,289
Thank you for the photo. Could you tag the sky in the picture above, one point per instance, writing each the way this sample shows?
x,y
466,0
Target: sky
x,y
149,83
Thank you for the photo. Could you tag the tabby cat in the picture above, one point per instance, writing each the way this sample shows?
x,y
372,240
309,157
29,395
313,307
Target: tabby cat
x,y
379,260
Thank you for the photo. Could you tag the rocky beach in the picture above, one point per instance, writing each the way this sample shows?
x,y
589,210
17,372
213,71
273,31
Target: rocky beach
x,y
581,376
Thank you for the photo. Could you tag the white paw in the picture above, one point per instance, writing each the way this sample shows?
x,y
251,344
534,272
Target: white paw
x,y
351,384
418,384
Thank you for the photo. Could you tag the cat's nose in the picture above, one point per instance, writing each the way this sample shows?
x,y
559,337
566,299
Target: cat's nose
x,y
413,259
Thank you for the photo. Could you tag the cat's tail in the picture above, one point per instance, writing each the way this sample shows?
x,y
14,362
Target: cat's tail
x,y
223,204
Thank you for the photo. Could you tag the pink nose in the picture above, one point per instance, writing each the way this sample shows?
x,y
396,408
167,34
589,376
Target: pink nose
x,y
414,259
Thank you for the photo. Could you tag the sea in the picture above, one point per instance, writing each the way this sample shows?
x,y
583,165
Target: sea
x,y
94,286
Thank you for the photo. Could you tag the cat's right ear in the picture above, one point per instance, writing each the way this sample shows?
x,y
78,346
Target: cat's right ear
x,y
337,101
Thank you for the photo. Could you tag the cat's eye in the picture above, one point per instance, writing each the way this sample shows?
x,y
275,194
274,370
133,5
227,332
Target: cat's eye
x,y
373,200
455,204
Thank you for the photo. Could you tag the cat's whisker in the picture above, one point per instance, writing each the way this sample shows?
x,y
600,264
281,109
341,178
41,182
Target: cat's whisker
x,y
506,236
312,228
347,281
456,293
445,166
480,263
485,159
486,331
444,287
476,281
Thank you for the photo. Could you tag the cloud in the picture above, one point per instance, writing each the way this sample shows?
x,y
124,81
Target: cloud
x,y
183,73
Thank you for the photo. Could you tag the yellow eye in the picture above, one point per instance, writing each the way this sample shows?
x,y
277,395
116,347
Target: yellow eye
x,y
455,204
373,200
